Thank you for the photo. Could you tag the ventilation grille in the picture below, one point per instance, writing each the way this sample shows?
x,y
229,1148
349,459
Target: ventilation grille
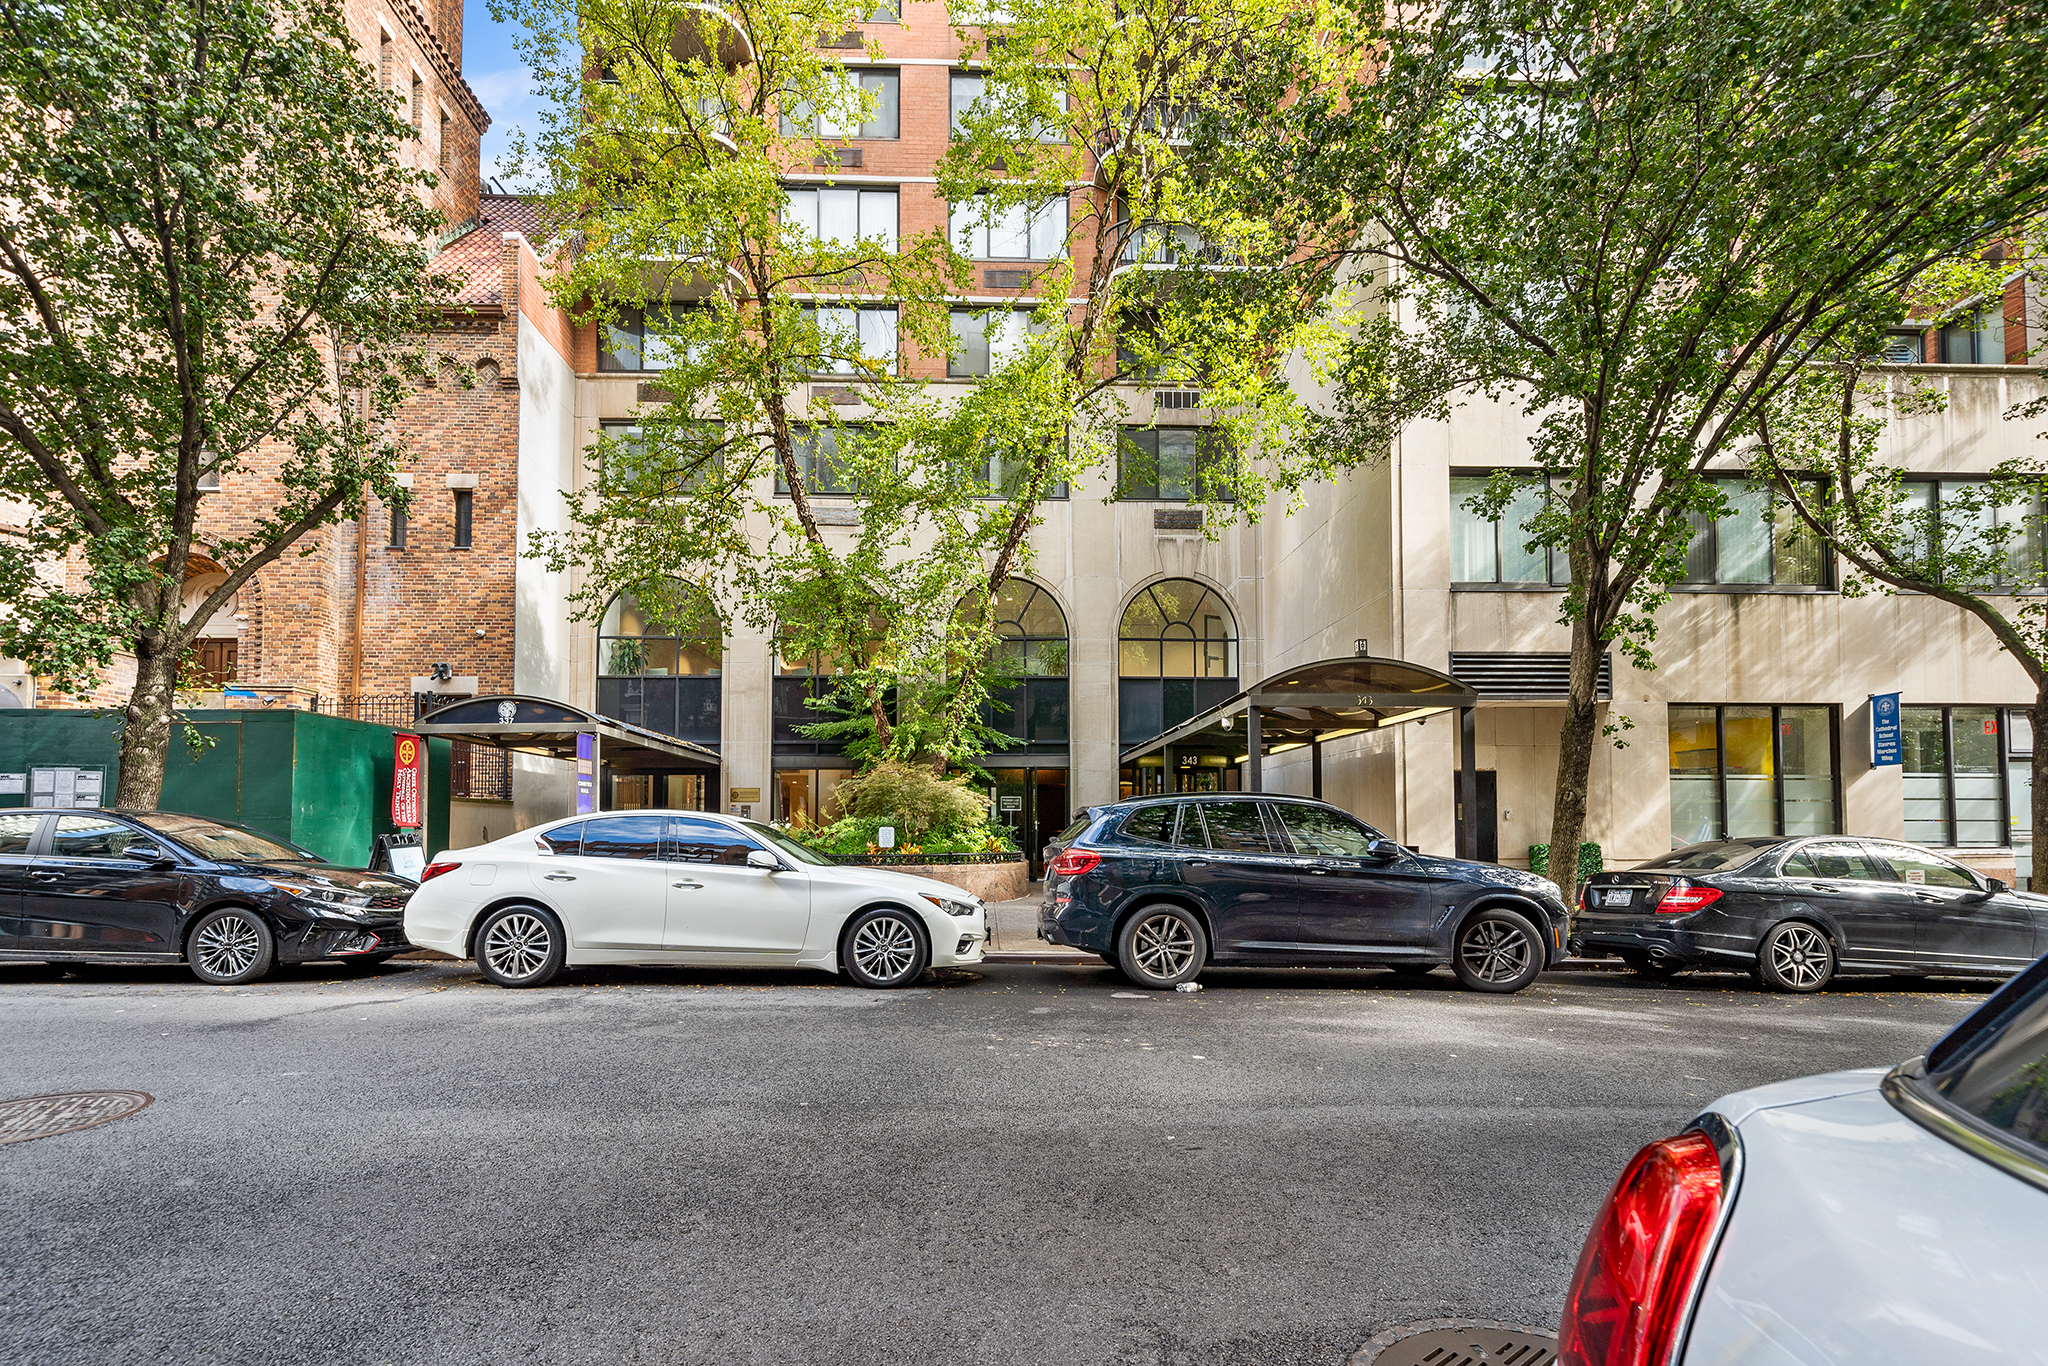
x,y
843,156
1525,675
1176,519
1177,398
1005,279
850,39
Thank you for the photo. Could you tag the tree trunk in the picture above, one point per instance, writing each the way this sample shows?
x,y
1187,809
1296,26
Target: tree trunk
x,y
146,734
1575,760
2038,770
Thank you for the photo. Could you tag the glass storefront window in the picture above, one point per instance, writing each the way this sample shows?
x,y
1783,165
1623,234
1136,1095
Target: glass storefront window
x,y
1956,775
1742,771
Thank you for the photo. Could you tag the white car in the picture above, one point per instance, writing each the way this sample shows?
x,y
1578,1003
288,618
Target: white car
x,y
1873,1218
685,887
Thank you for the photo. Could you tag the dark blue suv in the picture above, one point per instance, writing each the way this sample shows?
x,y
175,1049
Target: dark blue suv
x,y
1162,886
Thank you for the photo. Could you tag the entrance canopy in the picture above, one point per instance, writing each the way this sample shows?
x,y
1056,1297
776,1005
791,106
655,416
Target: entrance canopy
x,y
1323,701
535,725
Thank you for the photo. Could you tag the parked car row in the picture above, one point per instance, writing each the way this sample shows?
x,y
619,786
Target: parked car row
x,y
1160,888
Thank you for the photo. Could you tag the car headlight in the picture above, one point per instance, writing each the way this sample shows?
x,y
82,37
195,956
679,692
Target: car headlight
x,y
326,898
952,907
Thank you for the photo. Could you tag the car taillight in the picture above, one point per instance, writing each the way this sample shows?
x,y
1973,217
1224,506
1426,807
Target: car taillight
x,y
1072,863
1635,1277
1684,897
435,870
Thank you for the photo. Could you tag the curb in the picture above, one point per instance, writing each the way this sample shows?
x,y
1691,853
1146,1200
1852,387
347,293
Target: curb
x,y
1055,959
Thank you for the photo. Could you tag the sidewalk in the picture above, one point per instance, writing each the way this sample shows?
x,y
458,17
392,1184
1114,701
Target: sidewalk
x,y
1013,934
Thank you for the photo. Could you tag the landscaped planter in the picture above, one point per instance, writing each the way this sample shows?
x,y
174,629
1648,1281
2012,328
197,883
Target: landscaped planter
x,y
992,877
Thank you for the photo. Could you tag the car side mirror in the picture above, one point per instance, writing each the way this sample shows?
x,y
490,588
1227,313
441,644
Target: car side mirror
x,y
1383,849
1994,886
761,858
150,854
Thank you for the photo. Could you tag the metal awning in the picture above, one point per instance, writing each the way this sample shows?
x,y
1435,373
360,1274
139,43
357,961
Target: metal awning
x,y
1324,701
536,725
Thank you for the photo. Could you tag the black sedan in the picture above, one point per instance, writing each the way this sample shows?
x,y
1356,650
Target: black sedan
x,y
1797,911
158,887
1161,887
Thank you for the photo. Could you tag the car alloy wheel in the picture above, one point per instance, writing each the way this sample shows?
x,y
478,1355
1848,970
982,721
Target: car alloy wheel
x,y
1497,950
520,946
1796,956
883,949
229,947
1161,946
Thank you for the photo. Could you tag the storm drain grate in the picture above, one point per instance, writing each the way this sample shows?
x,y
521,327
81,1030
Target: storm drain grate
x,y
44,1116
1459,1342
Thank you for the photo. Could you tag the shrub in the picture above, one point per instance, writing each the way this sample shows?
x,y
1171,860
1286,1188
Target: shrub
x,y
930,814
1591,860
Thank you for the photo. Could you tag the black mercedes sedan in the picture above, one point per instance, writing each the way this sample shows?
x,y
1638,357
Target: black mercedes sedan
x,y
159,887
1160,887
1797,911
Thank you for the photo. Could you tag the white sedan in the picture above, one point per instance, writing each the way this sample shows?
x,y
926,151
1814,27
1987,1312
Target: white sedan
x,y
691,888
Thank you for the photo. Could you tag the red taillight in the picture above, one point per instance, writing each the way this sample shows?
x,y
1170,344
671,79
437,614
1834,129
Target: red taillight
x,y
1684,897
435,870
1636,1274
1072,863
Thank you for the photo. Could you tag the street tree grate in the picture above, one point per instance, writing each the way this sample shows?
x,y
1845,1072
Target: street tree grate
x,y
1459,1342
44,1116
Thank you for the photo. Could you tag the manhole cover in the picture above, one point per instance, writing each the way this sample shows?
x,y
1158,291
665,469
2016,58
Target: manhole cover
x,y
1459,1342
42,1116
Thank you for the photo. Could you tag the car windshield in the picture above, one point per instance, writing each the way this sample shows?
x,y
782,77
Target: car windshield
x,y
1706,858
1994,1065
775,839
224,840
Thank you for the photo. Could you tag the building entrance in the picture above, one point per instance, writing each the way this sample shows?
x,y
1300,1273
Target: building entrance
x,y
674,790
1031,807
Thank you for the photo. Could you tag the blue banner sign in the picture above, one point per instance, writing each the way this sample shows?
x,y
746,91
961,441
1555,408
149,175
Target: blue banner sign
x,y
586,769
1885,749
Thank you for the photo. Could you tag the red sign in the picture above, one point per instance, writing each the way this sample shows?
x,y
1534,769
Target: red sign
x,y
410,763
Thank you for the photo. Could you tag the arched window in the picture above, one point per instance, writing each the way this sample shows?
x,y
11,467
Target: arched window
x,y
1031,637
1176,657
658,652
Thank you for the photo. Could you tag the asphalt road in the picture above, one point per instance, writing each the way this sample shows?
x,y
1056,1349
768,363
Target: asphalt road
x,y
1015,1165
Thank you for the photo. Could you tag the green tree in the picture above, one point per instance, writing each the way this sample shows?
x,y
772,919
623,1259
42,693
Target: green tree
x,y
675,143
210,262
1638,223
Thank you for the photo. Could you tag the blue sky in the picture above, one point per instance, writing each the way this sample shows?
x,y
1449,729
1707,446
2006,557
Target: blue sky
x,y
500,79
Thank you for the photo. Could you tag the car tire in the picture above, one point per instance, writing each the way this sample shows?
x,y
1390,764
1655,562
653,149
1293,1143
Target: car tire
x,y
1497,950
521,946
1796,956
1161,946
883,949
230,946
1645,966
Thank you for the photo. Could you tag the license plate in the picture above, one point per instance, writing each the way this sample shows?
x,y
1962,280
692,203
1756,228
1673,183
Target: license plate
x,y
1620,897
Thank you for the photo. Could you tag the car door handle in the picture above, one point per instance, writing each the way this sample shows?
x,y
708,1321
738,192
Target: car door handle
x,y
1196,863
1825,887
559,877
1929,896
1319,870
47,877
686,884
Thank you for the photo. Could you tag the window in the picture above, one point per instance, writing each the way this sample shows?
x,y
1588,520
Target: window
x,y
799,121
1955,775
701,841
854,341
397,527
90,837
1173,464
1956,511
1497,550
1192,835
563,839
1840,862
623,837
1237,827
684,457
986,339
1165,244
1744,771
843,216
1760,541
1016,233
818,460
441,145
1318,830
664,639
1031,640
16,830
1153,824
465,508
1903,348
626,342
386,62
419,104
968,89
1978,339
1176,657
1925,870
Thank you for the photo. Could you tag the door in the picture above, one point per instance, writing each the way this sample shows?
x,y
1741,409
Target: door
x,y
1959,926
1351,903
720,906
1486,782
1048,814
1846,882
1242,875
82,896
17,830
607,881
